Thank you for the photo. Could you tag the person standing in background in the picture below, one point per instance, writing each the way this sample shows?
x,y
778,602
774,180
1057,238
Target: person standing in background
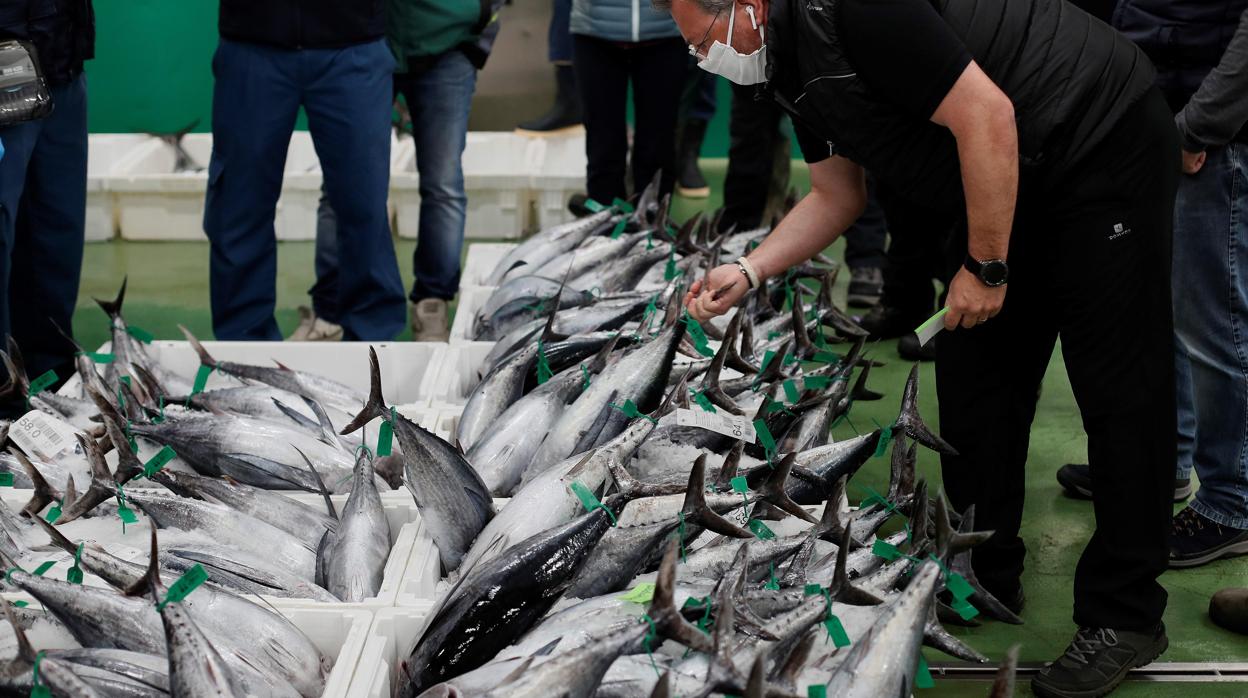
x,y
697,109
616,42
565,114
43,187
330,58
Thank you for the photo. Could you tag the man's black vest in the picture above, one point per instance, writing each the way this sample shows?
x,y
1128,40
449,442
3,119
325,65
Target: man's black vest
x,y
1069,76
1185,38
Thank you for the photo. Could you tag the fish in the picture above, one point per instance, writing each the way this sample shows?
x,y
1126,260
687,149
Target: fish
x,y
351,558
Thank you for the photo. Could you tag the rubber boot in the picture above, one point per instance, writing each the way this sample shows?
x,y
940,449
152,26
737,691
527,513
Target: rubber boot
x,y
564,115
690,183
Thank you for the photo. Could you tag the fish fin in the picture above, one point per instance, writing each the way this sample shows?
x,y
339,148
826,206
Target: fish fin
x,y
15,366
965,537
282,366
727,471
295,416
71,493
826,283
101,488
648,200
516,673
747,341
795,573
204,357
58,538
710,381
787,674
832,526
322,558
599,361
149,381
149,583
842,323
902,473
663,687
756,684
667,618
920,519
861,391
42,494
1003,685
320,483
772,490
911,423
671,402
24,649
684,235
733,337
580,466
936,637
113,308
696,511
459,446
842,589
328,434
128,465
375,408
804,347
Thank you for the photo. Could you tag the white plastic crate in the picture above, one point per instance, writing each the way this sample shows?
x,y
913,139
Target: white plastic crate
x,y
481,260
458,373
497,168
560,174
471,300
423,583
105,151
391,637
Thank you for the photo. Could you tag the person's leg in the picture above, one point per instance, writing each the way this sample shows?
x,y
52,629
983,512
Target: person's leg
x,y
753,131
19,145
559,33
1186,411
602,80
566,111
325,291
864,252
47,250
440,99
658,76
348,95
697,107
254,103
1211,313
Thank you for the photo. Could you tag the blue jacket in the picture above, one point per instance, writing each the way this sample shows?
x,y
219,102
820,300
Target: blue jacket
x,y
621,20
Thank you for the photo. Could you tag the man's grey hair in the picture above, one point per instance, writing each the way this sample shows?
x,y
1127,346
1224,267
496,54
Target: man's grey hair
x,y
708,6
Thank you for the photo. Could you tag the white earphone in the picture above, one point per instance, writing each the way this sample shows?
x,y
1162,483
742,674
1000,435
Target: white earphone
x,y
749,10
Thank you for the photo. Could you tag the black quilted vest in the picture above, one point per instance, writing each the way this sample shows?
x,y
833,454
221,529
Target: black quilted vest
x,y
1069,76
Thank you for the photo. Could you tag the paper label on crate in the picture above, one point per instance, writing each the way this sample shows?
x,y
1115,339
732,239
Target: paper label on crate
x,y
42,436
718,422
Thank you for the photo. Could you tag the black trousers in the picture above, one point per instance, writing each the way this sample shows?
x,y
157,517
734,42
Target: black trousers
x,y
1090,262
604,70
755,167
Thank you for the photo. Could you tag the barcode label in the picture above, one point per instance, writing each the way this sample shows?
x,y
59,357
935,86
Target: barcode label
x,y
41,436
718,422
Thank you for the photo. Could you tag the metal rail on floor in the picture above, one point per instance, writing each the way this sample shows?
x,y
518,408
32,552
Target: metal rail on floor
x,y
1169,672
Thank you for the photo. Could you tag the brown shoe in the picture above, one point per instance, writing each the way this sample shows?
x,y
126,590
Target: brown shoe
x,y
429,321
1229,609
313,329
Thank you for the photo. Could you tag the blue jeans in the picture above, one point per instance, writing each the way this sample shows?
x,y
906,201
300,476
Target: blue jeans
x,y
439,99
43,204
347,95
559,35
1211,324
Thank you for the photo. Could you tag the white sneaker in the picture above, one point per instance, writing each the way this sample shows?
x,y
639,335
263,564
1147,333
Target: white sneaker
x,y
313,329
430,323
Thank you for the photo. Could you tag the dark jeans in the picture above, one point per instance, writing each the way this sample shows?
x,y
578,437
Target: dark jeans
x,y
697,102
43,205
439,98
347,94
604,70
866,238
559,35
1090,262
754,166
918,238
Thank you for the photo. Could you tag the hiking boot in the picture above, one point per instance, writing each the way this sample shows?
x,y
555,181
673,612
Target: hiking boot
x,y
689,181
1196,540
1097,660
1076,478
909,348
1229,609
313,329
866,286
886,322
564,115
429,321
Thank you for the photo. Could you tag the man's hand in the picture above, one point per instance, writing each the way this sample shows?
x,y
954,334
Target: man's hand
x,y
970,302
725,281
1192,162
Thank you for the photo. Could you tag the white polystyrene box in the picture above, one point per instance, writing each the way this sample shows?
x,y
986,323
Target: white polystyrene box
x,y
104,152
471,300
459,373
394,632
559,175
481,260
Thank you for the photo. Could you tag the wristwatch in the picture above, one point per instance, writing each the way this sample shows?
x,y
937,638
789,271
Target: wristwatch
x,y
992,272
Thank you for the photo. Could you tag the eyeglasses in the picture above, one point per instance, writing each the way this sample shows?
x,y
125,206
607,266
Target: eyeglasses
x,y
696,50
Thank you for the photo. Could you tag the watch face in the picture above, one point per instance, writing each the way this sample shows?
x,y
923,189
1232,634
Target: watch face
x,y
995,272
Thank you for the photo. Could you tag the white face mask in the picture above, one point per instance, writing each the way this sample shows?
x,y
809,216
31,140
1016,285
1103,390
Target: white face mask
x,y
742,69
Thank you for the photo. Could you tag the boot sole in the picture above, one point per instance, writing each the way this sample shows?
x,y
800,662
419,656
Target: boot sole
x,y
1147,658
862,301
694,192
1232,550
553,133
1080,492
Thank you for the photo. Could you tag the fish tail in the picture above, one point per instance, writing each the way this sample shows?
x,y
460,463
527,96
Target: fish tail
x,y
375,408
42,494
902,475
667,617
149,583
937,637
727,471
832,527
803,345
695,510
732,337
861,391
24,649
842,589
58,538
710,381
911,423
113,308
773,490
204,357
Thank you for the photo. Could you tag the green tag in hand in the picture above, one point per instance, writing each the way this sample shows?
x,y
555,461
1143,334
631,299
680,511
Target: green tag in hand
x,y
74,575
836,631
158,461
385,435
886,550
760,530
641,594
184,586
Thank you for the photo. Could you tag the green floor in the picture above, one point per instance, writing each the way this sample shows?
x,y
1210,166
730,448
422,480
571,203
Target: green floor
x,y
169,285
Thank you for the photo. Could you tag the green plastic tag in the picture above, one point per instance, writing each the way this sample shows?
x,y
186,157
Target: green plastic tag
x,y
764,435
201,379
923,675
964,608
812,590
188,582
816,382
158,461
622,206
817,690
788,295
123,512
594,205
37,688
703,401
20,604
6,479
641,594
140,334
54,513
588,500
772,584
886,435
100,357
767,357
772,335
771,406
958,586
385,435
42,383
788,360
669,270
826,357
760,530
886,550
791,393
43,568
739,484
74,575
618,230
584,377
630,410
126,380
671,232
836,631
543,365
